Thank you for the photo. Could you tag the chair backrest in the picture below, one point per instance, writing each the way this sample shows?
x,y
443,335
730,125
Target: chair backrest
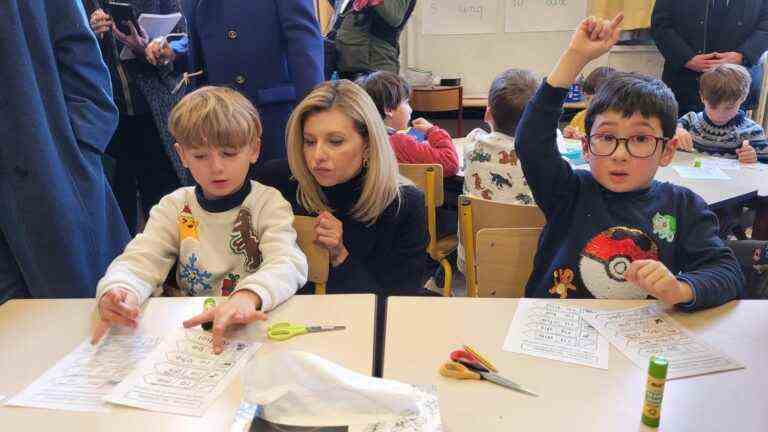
x,y
505,260
436,99
476,214
317,256
420,175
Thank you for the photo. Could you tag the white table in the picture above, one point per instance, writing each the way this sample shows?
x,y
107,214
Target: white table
x,y
35,334
421,332
742,187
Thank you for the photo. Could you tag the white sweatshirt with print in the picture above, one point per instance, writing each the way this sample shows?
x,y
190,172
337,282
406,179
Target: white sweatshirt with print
x,y
252,247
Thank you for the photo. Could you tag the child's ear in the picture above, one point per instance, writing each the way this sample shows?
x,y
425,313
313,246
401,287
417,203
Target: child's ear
x,y
585,149
669,152
488,116
180,151
255,149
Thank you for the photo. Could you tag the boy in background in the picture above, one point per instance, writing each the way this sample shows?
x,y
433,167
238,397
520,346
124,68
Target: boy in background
x,y
723,129
594,80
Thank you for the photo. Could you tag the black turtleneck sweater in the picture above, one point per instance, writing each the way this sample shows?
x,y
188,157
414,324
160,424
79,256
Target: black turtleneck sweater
x,y
387,257
592,234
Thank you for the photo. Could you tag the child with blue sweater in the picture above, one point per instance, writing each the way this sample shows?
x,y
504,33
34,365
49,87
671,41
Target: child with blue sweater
x,y
612,231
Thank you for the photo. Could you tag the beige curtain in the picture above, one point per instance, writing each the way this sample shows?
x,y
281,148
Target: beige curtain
x,y
637,13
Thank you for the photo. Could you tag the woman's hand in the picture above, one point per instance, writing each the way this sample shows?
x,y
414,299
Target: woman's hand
x,y
159,52
100,22
330,234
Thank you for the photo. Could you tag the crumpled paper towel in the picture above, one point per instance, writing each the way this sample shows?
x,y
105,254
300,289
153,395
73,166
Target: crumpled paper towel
x,y
303,389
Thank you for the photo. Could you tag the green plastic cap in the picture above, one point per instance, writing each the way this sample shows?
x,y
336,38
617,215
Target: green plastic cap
x,y
209,303
657,367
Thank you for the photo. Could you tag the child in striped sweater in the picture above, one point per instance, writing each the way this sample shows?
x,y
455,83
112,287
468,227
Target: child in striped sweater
x,y
722,129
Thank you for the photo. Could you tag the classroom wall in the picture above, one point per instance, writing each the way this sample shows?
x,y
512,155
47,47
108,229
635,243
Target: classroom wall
x,y
480,57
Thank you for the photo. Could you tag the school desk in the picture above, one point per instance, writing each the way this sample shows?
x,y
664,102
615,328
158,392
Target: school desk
x,y
35,334
422,332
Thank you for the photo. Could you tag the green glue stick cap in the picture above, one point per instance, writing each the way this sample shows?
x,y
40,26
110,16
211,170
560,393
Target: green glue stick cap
x,y
209,303
657,367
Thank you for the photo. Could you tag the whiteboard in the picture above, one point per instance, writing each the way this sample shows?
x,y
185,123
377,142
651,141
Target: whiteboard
x,y
544,15
459,16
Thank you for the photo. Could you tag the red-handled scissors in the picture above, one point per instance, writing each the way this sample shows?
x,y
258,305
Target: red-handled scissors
x,y
465,365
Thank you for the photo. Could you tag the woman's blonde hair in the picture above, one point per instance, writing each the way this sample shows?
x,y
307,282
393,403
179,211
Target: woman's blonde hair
x,y
381,185
216,116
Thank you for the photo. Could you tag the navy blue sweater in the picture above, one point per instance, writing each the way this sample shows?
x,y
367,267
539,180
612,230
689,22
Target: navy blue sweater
x,y
592,234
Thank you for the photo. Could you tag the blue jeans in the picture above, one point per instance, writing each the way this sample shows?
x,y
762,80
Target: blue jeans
x,y
756,72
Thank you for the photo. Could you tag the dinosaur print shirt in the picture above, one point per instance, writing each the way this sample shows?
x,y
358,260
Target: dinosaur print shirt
x,y
593,234
220,246
491,169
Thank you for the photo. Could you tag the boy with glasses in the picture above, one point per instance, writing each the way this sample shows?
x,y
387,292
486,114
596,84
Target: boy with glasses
x,y
614,232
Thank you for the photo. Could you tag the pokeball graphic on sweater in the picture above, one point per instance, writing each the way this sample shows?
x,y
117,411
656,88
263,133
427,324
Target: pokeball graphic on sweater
x,y
607,257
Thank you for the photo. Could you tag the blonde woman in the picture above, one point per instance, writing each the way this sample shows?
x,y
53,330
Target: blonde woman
x,y
342,169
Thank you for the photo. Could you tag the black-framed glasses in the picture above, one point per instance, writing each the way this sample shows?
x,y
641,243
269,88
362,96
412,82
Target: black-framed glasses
x,y
638,146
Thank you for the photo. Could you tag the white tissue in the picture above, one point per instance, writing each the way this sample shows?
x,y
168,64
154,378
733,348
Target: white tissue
x,y
302,389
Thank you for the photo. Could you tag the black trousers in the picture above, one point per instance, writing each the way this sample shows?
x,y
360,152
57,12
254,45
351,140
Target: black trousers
x,y
141,165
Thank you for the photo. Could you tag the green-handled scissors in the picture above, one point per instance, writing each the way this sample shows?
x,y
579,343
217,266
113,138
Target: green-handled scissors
x,y
285,330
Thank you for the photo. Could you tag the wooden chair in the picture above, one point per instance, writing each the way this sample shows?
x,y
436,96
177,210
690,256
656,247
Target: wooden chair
x,y
505,260
429,178
759,112
317,256
440,99
476,214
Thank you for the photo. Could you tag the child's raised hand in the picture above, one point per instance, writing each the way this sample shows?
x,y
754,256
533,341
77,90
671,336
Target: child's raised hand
x,y
684,139
655,278
242,307
117,306
746,153
594,36
421,125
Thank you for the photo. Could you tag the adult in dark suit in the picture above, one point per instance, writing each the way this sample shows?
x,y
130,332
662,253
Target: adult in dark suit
x,y
271,51
59,225
695,36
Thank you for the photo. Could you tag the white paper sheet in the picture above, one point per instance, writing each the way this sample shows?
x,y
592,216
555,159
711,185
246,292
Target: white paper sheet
x,y
544,15
183,375
80,380
155,26
459,16
557,332
701,173
642,332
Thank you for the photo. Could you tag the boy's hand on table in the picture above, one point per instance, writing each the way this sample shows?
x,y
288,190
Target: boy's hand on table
x,y
117,306
242,307
684,139
655,278
746,153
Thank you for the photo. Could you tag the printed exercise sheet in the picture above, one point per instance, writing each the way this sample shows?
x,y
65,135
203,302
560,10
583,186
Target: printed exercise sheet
x,y
183,375
80,380
701,173
642,332
557,332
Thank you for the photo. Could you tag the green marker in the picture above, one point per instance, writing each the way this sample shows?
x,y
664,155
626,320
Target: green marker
x,y
654,390
209,303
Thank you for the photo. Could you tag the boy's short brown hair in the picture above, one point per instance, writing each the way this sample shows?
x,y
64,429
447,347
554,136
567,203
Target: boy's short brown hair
x,y
215,116
509,93
725,83
596,78
388,90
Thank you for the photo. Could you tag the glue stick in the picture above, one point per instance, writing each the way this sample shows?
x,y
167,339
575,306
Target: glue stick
x,y
654,390
209,303
697,163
